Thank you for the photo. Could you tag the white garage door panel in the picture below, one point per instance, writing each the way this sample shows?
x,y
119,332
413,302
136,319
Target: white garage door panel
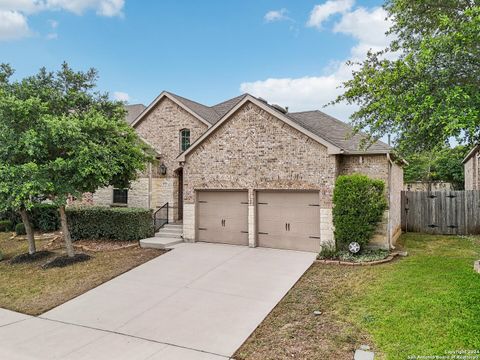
x,y
222,217
289,220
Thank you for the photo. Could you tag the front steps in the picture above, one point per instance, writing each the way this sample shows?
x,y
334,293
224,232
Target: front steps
x,y
167,236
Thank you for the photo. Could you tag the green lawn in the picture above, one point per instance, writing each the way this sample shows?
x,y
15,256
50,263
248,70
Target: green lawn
x,y
425,304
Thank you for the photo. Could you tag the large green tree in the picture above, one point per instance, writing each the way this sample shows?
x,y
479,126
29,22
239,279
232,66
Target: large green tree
x,y
21,180
429,93
437,165
83,141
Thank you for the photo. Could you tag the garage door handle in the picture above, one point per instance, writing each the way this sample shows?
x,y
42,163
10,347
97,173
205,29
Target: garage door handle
x,y
244,232
262,233
202,228
260,203
313,205
314,237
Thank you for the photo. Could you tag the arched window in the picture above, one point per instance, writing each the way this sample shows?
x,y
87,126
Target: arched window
x,y
184,139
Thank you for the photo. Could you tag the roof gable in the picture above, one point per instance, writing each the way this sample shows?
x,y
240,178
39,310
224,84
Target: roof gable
x,y
332,148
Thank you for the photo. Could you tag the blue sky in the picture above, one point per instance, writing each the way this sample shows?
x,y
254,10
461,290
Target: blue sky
x,y
290,52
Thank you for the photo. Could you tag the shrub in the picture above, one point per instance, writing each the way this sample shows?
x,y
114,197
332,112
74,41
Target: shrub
x,y
6,225
359,203
20,229
45,217
95,222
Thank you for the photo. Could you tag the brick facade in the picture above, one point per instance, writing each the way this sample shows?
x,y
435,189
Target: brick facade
x,y
161,129
256,151
252,150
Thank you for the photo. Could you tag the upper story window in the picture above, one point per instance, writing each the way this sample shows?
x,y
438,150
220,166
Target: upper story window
x,y
184,139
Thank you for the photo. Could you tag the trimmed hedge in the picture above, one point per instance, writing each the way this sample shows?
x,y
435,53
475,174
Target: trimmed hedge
x,y
359,203
6,225
20,229
95,222
44,217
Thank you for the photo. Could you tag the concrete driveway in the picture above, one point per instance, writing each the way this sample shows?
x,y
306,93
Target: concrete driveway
x,y
198,301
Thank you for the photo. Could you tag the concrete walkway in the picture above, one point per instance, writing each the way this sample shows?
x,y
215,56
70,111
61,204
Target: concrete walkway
x,y
199,301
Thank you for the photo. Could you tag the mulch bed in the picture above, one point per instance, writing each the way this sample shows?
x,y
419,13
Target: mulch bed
x,y
29,258
364,263
104,245
65,260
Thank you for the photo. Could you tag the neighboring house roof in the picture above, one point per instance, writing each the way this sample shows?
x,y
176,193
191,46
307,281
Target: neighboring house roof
x,y
133,111
471,153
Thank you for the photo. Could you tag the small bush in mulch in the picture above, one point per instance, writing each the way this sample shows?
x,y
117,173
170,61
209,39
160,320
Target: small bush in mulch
x,y
20,229
365,255
65,260
29,258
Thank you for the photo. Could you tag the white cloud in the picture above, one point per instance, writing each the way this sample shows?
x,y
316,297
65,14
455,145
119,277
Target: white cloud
x,y
121,96
367,26
102,7
13,25
14,13
53,24
321,13
52,36
276,15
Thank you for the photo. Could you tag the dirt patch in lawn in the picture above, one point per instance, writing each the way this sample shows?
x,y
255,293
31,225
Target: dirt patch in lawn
x,y
29,289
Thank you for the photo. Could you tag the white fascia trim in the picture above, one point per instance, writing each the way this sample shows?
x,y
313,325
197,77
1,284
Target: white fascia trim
x,y
332,149
157,100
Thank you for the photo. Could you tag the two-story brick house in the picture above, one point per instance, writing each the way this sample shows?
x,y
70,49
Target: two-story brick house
x,y
249,173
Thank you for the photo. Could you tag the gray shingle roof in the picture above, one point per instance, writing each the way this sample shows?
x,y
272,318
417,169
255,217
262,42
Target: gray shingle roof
x,y
133,111
325,126
205,112
335,131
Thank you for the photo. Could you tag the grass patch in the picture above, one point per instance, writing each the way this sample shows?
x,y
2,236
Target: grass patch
x,y
29,289
426,304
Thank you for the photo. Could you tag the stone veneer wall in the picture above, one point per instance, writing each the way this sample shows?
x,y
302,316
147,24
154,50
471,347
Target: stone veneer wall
x,y
137,195
161,128
254,150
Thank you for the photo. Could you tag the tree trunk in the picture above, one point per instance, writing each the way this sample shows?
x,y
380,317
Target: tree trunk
x,y
66,232
28,229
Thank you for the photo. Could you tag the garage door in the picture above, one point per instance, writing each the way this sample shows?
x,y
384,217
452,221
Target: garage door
x,y
223,216
289,220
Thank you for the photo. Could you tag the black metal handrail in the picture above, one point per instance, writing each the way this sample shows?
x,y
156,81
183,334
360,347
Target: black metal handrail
x,y
160,217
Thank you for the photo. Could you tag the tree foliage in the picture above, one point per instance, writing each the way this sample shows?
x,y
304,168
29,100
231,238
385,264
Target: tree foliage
x,y
437,165
78,142
424,86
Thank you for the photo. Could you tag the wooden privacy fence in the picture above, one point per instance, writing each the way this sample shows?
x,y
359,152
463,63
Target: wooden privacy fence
x,y
441,212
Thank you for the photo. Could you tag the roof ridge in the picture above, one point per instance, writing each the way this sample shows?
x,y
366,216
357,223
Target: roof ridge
x,y
184,98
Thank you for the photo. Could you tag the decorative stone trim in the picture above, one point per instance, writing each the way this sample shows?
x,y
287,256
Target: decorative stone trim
x,y
351,263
